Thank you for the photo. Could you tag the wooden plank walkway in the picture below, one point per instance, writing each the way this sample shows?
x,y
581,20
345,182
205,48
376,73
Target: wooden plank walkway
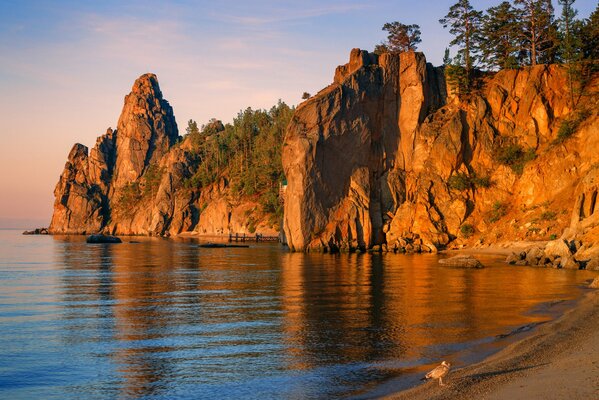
x,y
247,238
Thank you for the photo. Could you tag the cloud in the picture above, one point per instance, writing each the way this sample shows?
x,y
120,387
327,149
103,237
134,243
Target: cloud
x,y
288,15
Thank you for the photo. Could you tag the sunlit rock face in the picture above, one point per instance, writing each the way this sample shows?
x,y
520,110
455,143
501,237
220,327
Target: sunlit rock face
x,y
133,181
146,130
370,160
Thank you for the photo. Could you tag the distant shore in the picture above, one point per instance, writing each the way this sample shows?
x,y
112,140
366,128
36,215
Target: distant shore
x,y
560,360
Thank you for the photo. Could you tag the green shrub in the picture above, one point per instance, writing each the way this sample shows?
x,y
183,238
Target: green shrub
x,y
482,181
498,211
252,226
467,230
548,216
152,179
462,181
566,129
129,197
569,126
514,156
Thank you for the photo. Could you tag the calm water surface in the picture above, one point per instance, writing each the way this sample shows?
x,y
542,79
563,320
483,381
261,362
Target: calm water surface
x,y
154,318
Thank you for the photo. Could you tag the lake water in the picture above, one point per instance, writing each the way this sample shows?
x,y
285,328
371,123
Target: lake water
x,y
160,319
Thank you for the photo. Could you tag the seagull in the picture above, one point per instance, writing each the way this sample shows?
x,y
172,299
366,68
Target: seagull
x,y
439,372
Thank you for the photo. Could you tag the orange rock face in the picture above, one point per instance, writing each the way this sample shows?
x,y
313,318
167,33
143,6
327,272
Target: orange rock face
x,y
132,181
370,160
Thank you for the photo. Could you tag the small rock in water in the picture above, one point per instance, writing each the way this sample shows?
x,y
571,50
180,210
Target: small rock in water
x,y
462,261
37,231
103,239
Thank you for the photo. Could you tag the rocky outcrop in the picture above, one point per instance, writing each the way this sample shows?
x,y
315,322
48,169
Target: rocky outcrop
x,y
388,155
37,231
386,158
146,131
558,253
79,199
133,182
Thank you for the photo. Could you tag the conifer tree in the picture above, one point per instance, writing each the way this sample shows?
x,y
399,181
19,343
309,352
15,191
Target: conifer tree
x,y
464,23
537,30
569,44
499,29
589,33
381,48
446,57
402,37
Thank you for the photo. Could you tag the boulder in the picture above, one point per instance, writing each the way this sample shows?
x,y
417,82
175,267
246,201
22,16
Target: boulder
x,y
593,264
557,248
534,255
37,231
461,261
569,263
514,258
102,239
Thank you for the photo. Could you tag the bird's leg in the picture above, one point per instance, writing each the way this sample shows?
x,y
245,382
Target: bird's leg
x,y
441,381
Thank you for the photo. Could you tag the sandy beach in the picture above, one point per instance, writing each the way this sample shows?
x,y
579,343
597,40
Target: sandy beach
x,y
560,360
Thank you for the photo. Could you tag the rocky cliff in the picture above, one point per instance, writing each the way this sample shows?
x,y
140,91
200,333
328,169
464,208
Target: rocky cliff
x,y
133,181
387,156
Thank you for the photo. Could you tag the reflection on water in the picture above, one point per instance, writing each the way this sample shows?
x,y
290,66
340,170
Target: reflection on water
x,y
165,319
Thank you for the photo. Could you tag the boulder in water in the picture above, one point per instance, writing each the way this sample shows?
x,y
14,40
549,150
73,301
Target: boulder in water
x,y
103,239
461,261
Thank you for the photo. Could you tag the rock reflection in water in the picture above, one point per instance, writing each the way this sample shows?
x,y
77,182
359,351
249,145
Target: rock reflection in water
x,y
172,319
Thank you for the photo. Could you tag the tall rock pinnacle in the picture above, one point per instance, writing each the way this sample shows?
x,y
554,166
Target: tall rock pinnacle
x,y
146,130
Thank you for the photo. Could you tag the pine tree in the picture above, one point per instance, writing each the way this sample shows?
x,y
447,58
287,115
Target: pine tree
x,y
381,48
499,29
446,57
537,30
589,32
569,44
569,48
402,37
464,23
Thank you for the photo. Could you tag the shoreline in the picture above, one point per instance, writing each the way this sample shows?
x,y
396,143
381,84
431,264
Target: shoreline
x,y
559,359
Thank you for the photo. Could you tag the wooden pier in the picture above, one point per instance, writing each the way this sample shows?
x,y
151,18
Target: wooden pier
x,y
255,238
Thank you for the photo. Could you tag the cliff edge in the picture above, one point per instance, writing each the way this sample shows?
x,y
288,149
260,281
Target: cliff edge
x,y
387,156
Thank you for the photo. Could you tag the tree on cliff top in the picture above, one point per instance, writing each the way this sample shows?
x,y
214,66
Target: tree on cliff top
x,y
464,23
570,46
401,37
537,30
590,36
499,29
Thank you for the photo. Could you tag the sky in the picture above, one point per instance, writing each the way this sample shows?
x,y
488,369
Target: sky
x,y
65,67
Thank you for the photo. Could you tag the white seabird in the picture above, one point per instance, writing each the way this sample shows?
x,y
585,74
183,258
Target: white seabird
x,y
439,372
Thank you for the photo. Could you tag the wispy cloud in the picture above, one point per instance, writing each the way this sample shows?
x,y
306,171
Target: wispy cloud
x,y
287,15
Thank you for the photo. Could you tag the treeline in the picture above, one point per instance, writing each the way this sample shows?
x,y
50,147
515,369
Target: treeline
x,y
509,35
246,152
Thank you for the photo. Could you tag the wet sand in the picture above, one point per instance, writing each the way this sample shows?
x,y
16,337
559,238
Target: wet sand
x,y
559,361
